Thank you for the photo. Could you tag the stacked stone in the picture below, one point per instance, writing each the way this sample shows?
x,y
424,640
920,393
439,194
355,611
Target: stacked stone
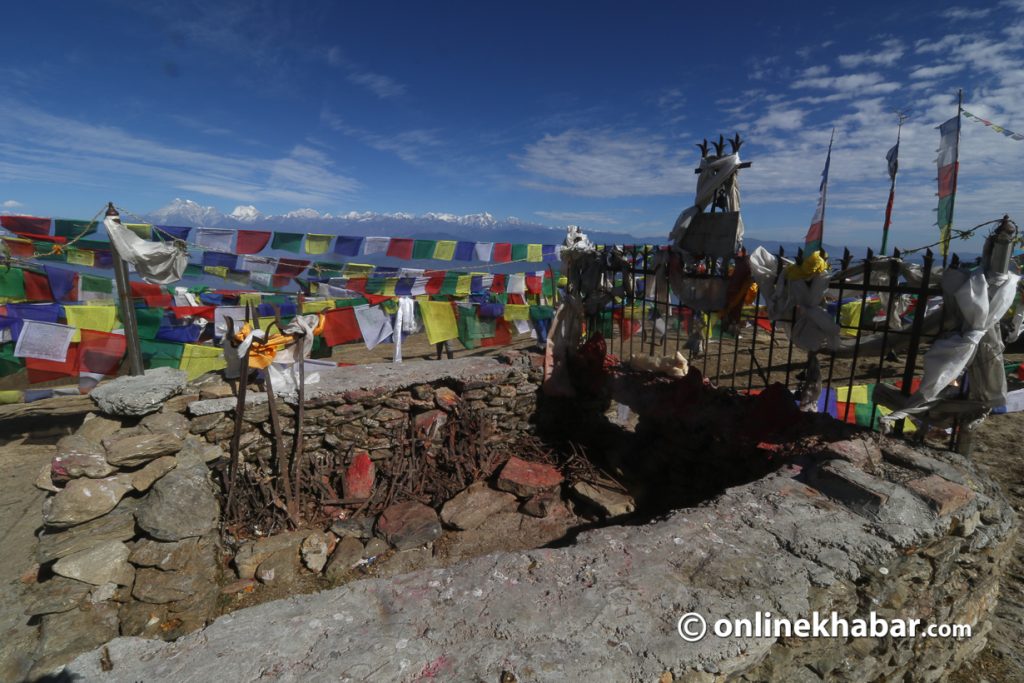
x,y
129,538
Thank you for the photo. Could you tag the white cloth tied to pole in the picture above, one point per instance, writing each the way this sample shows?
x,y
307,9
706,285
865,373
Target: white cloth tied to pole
x,y
798,300
979,302
158,263
713,174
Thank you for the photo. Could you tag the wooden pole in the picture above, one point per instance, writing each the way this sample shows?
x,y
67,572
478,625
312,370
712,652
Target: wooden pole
x,y
131,325
892,187
956,173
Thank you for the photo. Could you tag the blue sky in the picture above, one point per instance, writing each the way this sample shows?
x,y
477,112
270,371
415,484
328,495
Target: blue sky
x,y
551,112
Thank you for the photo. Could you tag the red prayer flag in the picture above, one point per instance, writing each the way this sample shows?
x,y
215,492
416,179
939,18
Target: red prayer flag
x,y
19,248
400,247
252,241
498,284
291,267
502,252
100,352
502,335
153,295
435,281
200,311
40,370
340,326
27,225
37,286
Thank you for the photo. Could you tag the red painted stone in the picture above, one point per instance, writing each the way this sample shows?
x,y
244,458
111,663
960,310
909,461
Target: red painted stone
x,y
430,420
446,399
944,496
359,476
526,479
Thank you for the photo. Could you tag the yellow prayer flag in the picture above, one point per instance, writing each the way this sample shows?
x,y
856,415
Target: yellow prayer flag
x,y
198,360
81,257
908,424
316,306
517,312
357,270
849,318
389,286
10,396
444,250
463,284
219,271
534,252
318,244
439,319
143,230
854,395
100,318
254,298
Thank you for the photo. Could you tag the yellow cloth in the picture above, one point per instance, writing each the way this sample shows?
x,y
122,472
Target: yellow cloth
x,y
463,284
318,244
143,230
812,265
534,252
517,312
198,360
908,424
101,318
445,250
849,318
357,270
81,257
219,271
389,286
254,298
316,306
854,395
439,319
10,396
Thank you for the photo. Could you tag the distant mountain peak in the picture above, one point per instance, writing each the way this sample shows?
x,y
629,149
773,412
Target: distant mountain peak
x,y
244,214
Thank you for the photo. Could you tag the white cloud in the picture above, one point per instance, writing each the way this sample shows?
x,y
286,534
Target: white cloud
x,y
815,71
383,87
607,163
411,146
887,55
851,84
578,217
781,118
937,71
12,204
52,149
961,13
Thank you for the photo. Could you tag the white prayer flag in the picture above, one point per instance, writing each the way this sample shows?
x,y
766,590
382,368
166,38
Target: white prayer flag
x,y
376,245
47,341
217,239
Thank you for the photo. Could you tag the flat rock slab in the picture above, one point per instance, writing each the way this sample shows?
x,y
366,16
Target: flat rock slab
x,y
137,396
138,450
526,479
474,506
100,564
180,505
85,499
408,525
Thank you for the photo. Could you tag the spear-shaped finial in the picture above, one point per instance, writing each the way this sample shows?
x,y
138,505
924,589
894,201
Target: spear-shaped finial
x,y
719,146
735,143
703,147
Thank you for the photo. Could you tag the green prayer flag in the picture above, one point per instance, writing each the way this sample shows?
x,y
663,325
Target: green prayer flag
x,y
469,327
160,354
194,270
423,249
148,320
72,229
320,348
92,283
287,241
450,284
520,252
9,363
12,283
375,285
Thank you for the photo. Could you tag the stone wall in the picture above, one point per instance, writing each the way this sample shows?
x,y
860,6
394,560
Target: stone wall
x,y
848,522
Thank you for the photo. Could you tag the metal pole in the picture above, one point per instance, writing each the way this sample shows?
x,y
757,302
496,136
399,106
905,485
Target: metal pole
x,y
131,325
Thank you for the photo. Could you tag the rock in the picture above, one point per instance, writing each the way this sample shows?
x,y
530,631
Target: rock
x,y
142,619
103,563
180,505
85,499
144,478
138,450
140,395
159,587
95,428
346,555
429,422
59,594
119,525
64,635
359,477
408,525
239,586
446,399
526,479
314,551
252,553
172,423
357,527
216,390
44,481
166,556
204,423
195,449
282,567
542,504
179,403
612,503
374,547
942,495
471,508
860,451
78,456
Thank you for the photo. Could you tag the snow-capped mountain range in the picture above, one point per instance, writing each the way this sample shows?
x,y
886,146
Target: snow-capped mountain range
x,y
429,225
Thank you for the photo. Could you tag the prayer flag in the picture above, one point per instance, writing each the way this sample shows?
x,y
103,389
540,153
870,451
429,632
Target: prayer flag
x,y
287,241
37,287
318,244
174,232
948,163
444,250
377,245
502,252
81,257
288,267
12,283
815,234
482,251
251,241
423,249
439,320
519,252
143,230
20,247
347,246
26,225
400,248
340,327
198,360
71,229
464,251
219,259
217,239
534,253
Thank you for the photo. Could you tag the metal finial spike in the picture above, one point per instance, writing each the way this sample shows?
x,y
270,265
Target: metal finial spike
x,y
719,146
703,147
736,142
